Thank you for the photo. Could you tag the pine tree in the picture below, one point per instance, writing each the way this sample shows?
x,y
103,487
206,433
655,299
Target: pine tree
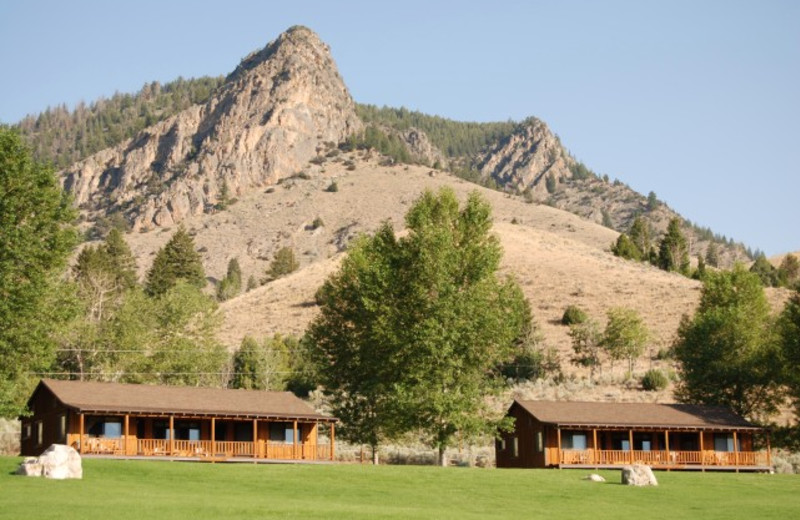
x,y
285,262
177,260
673,253
231,284
640,236
712,254
121,260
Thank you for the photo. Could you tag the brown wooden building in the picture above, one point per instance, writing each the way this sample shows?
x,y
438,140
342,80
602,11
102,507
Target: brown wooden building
x,y
172,421
611,435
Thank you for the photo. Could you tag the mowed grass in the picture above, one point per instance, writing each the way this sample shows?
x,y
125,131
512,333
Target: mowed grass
x,y
160,489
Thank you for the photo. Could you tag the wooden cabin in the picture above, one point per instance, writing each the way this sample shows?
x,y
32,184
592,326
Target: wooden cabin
x,y
610,435
171,421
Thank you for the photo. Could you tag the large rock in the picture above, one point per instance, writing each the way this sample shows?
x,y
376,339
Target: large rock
x,y
57,462
638,475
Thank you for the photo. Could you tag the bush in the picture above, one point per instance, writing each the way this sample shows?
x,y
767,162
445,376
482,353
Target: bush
x,y
654,379
573,315
333,188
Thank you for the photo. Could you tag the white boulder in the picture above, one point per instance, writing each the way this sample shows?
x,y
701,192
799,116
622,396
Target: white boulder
x,y
594,477
57,462
638,475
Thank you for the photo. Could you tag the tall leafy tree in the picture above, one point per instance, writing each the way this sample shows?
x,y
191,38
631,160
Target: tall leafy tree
x,y
625,335
728,350
36,236
673,252
587,345
789,329
261,365
789,271
425,319
177,260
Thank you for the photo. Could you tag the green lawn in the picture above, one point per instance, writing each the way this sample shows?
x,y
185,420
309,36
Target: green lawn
x,y
157,489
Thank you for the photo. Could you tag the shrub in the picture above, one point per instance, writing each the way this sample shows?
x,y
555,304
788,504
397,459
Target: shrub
x,y
573,315
654,379
332,188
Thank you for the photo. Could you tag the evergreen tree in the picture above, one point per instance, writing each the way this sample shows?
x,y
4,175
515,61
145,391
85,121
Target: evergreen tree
x,y
36,237
231,285
285,262
673,254
121,260
177,260
640,236
789,271
625,248
728,351
712,254
652,201
765,271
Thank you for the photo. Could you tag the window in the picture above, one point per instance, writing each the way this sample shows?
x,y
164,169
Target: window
x,y
26,431
502,444
723,442
39,433
281,432
516,447
62,427
187,431
540,441
112,428
573,441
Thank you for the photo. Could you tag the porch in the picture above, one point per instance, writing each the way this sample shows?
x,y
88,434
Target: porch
x,y
697,460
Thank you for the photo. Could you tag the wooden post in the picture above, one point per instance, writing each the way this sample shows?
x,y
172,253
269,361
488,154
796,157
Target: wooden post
x,y
666,445
213,436
333,430
702,451
769,451
255,438
171,434
558,437
294,439
127,434
594,445
735,451
80,432
630,444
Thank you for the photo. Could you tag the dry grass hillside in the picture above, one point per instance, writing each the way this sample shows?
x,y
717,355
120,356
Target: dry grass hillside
x,y
558,258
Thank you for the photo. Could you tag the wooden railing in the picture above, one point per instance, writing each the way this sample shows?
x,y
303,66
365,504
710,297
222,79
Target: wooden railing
x,y
657,458
204,449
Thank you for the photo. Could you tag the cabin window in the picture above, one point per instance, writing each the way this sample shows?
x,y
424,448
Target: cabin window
x,y
187,431
540,441
160,430
281,432
573,441
26,431
39,433
62,427
516,447
724,442
502,444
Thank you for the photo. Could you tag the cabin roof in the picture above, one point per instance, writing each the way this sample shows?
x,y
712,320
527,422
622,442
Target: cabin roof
x,y
95,397
694,416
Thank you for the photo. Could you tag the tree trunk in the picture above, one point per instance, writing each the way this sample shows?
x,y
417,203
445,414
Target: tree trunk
x,y
442,457
375,459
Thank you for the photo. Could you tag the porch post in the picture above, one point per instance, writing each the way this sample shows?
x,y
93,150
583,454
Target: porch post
x,y
294,438
127,434
666,444
333,431
595,458
171,433
80,432
735,451
558,437
702,451
255,438
213,436
630,444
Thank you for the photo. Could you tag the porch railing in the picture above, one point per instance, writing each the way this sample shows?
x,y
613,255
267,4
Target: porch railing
x,y
204,448
657,458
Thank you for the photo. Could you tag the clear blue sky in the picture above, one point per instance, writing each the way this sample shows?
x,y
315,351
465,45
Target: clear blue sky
x,y
698,101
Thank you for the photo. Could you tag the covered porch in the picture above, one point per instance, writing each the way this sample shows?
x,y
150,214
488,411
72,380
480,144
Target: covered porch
x,y
202,437
604,447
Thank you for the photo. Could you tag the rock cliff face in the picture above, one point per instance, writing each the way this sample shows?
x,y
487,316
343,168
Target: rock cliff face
x,y
527,158
266,122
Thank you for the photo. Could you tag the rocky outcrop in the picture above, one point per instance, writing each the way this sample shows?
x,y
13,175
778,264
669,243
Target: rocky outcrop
x,y
527,158
271,116
57,462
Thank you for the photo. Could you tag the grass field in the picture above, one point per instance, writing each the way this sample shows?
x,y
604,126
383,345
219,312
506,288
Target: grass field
x,y
156,489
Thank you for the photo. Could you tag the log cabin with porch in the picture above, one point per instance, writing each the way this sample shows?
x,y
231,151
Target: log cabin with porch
x,y
551,434
129,420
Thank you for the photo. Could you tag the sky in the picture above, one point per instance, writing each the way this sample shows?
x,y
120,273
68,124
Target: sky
x,y
697,101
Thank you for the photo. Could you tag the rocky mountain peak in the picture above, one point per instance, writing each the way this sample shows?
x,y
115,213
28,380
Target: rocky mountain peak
x,y
265,123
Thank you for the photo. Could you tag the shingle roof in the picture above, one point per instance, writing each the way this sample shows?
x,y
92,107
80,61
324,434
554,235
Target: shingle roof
x,y
87,396
634,415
